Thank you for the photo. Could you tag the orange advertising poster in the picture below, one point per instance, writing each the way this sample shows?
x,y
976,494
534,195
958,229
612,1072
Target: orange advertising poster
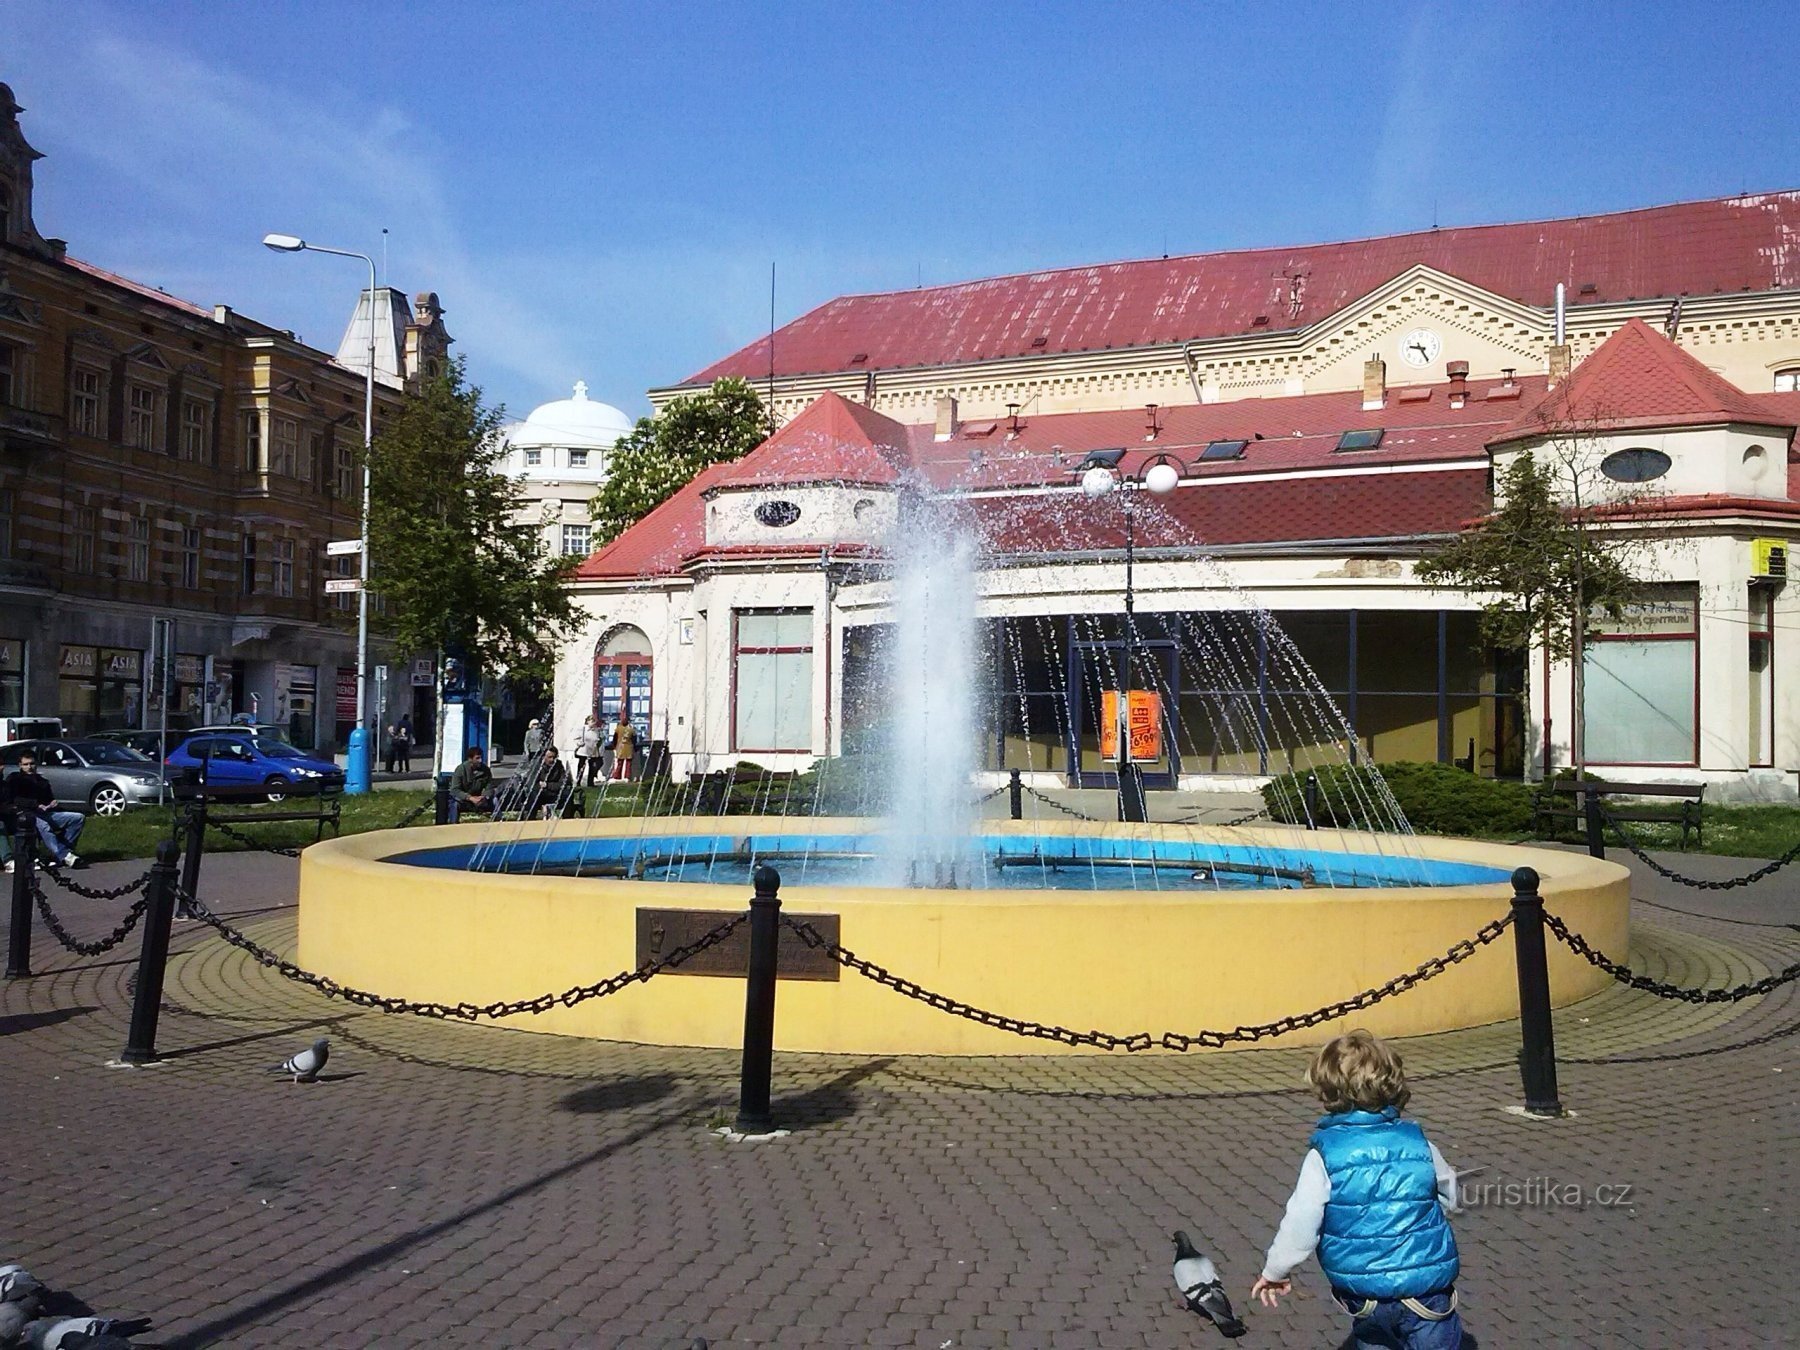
x,y
1144,708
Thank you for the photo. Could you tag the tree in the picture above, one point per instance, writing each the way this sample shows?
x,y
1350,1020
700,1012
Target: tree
x,y
1546,562
457,569
664,452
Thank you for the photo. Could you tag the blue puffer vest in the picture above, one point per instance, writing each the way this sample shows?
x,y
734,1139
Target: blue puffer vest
x,y
1384,1235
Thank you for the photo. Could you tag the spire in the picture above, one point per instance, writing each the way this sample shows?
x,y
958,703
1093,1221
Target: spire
x,y
581,391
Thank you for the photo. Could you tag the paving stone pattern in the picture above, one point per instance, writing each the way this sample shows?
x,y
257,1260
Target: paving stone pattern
x,y
450,1185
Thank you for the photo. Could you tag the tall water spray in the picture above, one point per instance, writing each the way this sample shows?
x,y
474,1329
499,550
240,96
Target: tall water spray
x,y
934,681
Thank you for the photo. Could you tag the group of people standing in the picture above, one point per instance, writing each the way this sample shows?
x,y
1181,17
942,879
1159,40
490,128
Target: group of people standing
x,y
543,783
594,743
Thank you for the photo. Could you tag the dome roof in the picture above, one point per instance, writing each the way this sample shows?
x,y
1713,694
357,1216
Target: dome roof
x,y
580,422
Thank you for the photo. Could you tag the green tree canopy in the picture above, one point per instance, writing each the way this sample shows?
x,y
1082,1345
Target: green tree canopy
x,y
450,557
1539,562
664,452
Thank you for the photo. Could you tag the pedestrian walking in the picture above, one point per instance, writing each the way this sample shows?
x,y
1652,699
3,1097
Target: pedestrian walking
x,y
404,741
1372,1200
390,758
587,751
624,748
535,740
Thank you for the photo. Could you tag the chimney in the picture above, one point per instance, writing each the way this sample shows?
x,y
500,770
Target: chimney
x,y
1559,363
1458,371
1374,383
946,418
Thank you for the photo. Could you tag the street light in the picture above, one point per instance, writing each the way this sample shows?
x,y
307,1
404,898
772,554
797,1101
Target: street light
x,y
1101,476
357,769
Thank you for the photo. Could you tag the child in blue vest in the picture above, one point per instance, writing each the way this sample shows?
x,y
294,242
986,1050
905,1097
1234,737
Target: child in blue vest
x,y
1372,1200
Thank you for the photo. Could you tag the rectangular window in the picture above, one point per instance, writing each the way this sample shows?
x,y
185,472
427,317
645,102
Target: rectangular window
x,y
249,564
284,449
140,417
1224,450
1361,440
346,469
282,572
772,680
1641,680
81,537
190,558
578,459
575,540
253,460
315,455
195,415
137,556
85,396
9,374
533,458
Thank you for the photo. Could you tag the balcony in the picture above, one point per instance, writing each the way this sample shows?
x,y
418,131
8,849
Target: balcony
x,y
22,430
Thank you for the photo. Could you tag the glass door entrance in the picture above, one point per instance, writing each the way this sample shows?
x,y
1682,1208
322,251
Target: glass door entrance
x,y
1097,675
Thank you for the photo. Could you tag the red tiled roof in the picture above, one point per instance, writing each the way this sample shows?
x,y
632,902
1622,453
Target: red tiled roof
x,y
1638,378
832,441
139,288
1692,248
658,543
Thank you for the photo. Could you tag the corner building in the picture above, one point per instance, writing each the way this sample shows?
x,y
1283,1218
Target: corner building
x,y
161,460
1335,411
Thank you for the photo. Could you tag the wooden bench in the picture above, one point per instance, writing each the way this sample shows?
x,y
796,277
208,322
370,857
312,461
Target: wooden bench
x,y
1681,804
320,804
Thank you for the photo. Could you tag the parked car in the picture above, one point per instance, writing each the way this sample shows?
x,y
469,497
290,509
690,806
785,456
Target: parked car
x,y
30,729
100,777
147,743
268,729
234,759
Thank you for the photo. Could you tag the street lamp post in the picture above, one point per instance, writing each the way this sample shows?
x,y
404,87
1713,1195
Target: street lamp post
x,y
1100,477
357,767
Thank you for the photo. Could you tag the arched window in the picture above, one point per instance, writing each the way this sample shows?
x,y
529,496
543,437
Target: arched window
x,y
1787,380
622,678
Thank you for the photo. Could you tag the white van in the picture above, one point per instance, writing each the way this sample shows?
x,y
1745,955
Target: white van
x,y
30,729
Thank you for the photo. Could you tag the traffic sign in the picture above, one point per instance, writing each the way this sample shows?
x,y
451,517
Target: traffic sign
x,y
342,585
338,548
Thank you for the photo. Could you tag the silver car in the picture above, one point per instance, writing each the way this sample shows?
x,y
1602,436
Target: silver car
x,y
100,777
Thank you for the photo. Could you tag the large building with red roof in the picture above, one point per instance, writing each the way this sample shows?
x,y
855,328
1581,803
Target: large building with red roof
x,y
1330,412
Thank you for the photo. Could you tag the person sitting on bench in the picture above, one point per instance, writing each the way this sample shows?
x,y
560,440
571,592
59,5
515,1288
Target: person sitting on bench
x,y
471,785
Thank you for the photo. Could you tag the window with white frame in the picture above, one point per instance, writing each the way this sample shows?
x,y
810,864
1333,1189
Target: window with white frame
x,y
196,419
253,460
575,540
190,558
315,455
772,669
1642,678
533,458
141,405
249,563
137,550
87,391
1787,380
84,527
284,447
346,467
281,571
578,459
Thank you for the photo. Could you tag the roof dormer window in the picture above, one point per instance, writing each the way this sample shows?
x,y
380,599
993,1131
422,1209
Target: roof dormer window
x,y
1636,465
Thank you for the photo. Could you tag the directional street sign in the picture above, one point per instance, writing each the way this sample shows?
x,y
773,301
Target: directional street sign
x,y
338,548
342,585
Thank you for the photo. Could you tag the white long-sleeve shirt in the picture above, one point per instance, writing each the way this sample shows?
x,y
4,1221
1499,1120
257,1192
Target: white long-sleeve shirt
x,y
1298,1236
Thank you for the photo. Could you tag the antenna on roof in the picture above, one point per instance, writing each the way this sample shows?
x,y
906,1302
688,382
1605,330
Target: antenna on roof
x,y
771,408
384,271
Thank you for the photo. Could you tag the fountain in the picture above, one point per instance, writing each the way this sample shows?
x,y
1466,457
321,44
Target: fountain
x,y
1056,917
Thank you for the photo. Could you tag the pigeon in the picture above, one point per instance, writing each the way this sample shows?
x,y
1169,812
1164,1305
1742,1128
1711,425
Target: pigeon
x,y
14,1316
17,1283
305,1066
72,1333
99,1340
1201,1292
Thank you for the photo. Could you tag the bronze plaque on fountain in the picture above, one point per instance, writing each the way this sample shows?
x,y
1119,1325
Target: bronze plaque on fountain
x,y
662,930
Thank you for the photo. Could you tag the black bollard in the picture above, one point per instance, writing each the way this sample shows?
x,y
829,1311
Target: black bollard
x,y
190,859
18,944
1015,788
1596,834
442,799
1311,797
1131,793
759,1005
153,956
1537,1053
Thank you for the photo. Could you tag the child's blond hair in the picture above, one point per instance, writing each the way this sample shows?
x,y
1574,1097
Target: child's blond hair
x,y
1359,1072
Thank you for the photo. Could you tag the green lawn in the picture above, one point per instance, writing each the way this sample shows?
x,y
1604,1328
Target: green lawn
x,y
136,833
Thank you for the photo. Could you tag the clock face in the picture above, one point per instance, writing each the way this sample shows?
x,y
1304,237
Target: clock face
x,y
1420,347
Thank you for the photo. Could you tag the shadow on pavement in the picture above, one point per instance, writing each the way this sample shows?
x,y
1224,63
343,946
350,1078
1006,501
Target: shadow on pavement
x,y
618,1094
15,1023
831,1101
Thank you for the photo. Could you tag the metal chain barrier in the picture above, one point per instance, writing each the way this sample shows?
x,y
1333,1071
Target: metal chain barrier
x,y
75,944
96,893
1625,975
465,1012
1260,813
1144,1040
987,797
250,843
1058,806
1730,883
412,815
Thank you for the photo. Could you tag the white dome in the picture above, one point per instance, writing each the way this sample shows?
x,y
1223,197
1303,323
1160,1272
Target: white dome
x,y
577,422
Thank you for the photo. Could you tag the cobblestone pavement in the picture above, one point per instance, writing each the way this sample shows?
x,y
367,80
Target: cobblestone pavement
x,y
456,1185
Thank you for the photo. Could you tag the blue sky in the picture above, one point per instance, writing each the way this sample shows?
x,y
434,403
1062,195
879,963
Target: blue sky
x,y
598,191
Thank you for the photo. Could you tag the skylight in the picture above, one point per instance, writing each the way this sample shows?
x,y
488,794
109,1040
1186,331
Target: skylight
x,y
1361,440
1224,450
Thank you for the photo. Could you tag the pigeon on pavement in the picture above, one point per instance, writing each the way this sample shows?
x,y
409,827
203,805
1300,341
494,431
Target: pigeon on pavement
x,y
14,1317
82,1340
305,1066
1201,1292
61,1333
17,1283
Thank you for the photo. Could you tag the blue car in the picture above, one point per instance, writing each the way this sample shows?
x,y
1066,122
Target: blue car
x,y
243,760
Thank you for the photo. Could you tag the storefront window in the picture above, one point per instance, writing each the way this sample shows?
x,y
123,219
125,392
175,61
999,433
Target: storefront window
x,y
100,689
1641,680
12,677
772,675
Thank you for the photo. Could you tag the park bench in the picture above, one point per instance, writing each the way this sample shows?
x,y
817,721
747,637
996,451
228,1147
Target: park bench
x,y
1678,804
319,804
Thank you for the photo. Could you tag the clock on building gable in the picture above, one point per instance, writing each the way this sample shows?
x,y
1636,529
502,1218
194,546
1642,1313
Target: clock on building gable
x,y
1420,347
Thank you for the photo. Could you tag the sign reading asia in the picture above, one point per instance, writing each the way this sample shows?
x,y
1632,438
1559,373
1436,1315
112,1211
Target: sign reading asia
x,y
1144,711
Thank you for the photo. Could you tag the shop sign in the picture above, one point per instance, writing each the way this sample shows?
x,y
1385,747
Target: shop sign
x,y
78,661
190,669
12,654
1144,710
424,673
1671,614
120,663
346,696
